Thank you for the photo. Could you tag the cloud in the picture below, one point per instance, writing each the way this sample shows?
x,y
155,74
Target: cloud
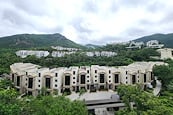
x,y
87,21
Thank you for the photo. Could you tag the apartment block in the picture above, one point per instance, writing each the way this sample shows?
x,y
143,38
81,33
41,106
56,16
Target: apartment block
x,y
32,79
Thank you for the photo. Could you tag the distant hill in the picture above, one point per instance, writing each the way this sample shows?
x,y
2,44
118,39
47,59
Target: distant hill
x,y
36,40
166,39
92,46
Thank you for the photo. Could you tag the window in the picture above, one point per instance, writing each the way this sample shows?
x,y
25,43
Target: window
x,y
12,77
95,80
95,71
95,76
73,77
39,74
109,81
116,79
109,71
38,85
48,82
133,79
152,76
88,71
38,80
82,80
30,83
126,77
109,76
55,85
87,76
67,80
126,72
74,82
56,74
26,73
18,80
73,72
56,80
88,81
102,78
145,78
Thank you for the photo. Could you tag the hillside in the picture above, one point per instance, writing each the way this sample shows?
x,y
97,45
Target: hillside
x,y
166,39
36,40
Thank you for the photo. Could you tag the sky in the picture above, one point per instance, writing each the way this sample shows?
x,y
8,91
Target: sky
x,y
87,21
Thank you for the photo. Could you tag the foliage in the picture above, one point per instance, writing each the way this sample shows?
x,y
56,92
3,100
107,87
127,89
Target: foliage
x,y
146,104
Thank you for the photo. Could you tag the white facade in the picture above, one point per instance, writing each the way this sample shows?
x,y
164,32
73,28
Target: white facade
x,y
154,44
134,44
64,48
61,53
166,53
30,78
25,53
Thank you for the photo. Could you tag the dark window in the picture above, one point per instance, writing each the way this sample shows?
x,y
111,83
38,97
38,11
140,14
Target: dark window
x,y
88,87
95,71
39,74
48,83
12,77
56,74
56,80
109,81
73,77
95,80
67,80
109,76
102,78
152,76
30,83
88,81
109,71
126,72
38,85
87,76
55,85
95,76
88,71
26,73
116,78
82,80
73,82
133,79
38,80
145,78
18,80
73,72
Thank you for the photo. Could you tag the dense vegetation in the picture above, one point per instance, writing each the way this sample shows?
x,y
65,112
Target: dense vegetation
x,y
11,104
166,39
36,40
145,102
125,57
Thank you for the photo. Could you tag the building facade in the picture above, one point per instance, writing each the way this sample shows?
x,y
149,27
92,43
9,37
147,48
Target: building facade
x,y
166,53
31,79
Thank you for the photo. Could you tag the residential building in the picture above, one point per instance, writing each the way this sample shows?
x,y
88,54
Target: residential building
x,y
154,44
25,53
134,45
32,79
166,53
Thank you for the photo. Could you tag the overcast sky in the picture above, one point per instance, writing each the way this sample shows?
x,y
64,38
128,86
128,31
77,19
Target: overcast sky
x,y
87,21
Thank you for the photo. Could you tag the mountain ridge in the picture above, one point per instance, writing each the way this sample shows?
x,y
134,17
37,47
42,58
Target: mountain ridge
x,y
36,40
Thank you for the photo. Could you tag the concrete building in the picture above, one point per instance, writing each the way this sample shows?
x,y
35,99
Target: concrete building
x,y
59,48
134,45
62,53
166,53
154,44
25,53
31,79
